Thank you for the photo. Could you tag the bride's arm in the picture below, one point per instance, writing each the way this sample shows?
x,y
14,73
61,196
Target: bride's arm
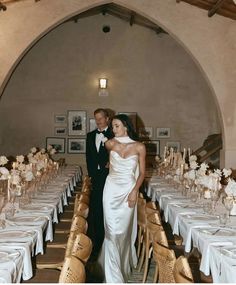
x,y
132,198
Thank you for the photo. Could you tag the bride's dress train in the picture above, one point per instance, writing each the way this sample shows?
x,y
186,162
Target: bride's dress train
x,y
120,222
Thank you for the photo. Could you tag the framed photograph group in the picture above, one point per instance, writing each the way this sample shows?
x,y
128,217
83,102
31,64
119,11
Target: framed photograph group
x,y
60,119
57,143
60,131
76,145
76,123
146,132
162,133
174,144
152,147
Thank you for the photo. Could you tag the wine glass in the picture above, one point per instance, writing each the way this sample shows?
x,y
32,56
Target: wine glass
x,y
228,203
214,198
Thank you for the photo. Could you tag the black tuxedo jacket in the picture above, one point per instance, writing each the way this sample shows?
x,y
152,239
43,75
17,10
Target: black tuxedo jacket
x,y
93,157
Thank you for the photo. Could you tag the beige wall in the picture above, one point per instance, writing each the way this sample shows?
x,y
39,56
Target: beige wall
x,y
148,73
210,41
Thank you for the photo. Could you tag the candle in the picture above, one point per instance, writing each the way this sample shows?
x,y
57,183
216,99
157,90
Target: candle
x,y
181,169
13,165
184,155
165,149
189,153
8,188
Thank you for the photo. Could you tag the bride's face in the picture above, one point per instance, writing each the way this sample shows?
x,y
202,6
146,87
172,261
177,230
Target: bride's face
x,y
118,128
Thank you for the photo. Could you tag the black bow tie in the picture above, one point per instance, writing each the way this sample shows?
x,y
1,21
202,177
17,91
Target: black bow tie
x,y
98,132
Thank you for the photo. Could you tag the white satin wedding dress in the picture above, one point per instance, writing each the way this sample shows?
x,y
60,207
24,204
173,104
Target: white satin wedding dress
x,y
120,221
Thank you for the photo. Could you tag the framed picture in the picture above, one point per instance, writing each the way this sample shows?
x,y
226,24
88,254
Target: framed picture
x,y
146,132
60,131
92,124
57,143
60,119
76,123
152,147
174,145
76,145
163,133
132,116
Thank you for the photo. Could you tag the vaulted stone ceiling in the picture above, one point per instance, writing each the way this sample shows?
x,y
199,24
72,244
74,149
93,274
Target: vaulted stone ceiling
x,y
226,8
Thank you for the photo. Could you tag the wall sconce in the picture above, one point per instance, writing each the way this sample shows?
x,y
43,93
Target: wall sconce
x,y
103,87
102,83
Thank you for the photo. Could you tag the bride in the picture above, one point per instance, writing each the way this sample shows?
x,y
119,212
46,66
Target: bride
x,y
127,168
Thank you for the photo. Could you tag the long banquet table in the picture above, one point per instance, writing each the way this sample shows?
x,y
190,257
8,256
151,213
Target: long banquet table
x,y
215,242
32,224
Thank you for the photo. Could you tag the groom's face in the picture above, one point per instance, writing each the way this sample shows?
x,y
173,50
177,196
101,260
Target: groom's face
x,y
101,120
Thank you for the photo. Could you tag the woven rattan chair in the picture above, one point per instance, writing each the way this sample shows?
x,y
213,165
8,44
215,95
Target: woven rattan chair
x,y
81,209
77,222
73,271
182,271
165,260
78,245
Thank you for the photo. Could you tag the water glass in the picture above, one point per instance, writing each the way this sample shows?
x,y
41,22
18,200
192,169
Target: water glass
x,y
223,218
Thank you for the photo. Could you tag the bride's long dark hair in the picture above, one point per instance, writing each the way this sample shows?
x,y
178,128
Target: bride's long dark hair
x,y
126,121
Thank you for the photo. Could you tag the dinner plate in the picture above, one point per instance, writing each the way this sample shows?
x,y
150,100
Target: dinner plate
x,y
8,255
26,219
15,234
36,208
218,232
201,217
230,252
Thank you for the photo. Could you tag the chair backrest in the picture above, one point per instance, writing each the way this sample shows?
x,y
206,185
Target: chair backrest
x,y
182,271
156,233
165,258
73,271
154,217
82,210
151,205
141,213
82,247
79,223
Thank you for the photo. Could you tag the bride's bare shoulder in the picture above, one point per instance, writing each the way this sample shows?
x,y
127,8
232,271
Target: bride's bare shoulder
x,y
110,143
140,146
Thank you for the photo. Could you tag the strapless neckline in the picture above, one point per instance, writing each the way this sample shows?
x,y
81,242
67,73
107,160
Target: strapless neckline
x,y
124,157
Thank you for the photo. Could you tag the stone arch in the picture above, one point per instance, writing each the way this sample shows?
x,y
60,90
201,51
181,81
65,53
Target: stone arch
x,y
80,7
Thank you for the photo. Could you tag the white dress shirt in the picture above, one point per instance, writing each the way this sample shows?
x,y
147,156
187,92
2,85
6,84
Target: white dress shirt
x,y
99,138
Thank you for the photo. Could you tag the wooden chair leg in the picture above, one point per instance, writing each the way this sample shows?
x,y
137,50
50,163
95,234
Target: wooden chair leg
x,y
139,241
142,256
146,262
155,274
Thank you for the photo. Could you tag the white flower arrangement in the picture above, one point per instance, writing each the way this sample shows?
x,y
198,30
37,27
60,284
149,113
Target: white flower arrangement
x,y
53,151
33,150
192,158
230,189
4,173
43,150
29,176
15,178
49,147
227,172
3,160
20,158
193,164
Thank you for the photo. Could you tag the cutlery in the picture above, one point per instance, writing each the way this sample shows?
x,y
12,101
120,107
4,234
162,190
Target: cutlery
x,y
216,232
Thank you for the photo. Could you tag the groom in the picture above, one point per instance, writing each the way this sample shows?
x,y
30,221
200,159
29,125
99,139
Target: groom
x,y
97,159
